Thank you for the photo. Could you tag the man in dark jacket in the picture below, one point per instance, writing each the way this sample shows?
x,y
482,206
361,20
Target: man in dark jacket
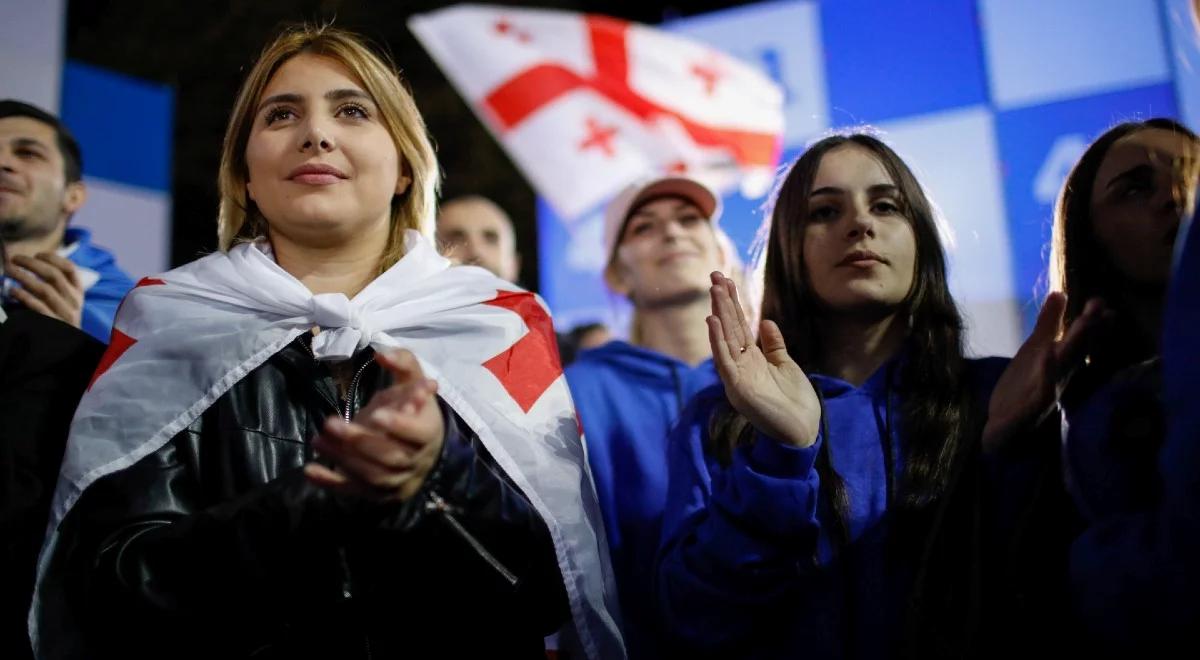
x,y
44,366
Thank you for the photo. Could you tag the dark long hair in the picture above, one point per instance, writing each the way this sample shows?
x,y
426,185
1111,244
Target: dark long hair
x,y
1079,265
934,409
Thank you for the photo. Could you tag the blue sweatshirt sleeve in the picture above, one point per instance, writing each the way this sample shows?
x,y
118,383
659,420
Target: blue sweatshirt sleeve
x,y
736,539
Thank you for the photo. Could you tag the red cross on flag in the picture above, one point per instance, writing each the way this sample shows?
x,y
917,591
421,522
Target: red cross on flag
x,y
585,104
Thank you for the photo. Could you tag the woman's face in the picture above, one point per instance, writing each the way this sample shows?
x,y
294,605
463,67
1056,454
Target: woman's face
x,y
1135,215
322,167
666,252
859,249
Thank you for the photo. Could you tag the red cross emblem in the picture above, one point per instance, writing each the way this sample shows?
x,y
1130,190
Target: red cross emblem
x,y
530,366
504,28
518,98
709,75
119,342
599,136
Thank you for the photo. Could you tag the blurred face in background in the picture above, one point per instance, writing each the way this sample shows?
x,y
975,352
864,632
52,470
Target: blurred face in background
x,y
476,232
1135,203
35,197
665,253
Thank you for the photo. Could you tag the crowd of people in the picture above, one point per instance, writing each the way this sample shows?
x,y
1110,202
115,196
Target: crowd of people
x,y
348,432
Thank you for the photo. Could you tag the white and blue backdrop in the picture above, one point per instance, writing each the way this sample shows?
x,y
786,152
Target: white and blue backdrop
x,y
991,101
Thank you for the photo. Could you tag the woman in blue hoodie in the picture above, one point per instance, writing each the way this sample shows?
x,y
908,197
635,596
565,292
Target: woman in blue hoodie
x,y
662,242
1134,569
807,489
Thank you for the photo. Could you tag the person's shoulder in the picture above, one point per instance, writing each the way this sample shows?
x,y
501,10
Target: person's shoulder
x,y
32,342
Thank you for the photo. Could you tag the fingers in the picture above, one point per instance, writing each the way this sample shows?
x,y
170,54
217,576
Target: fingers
x,y
747,331
348,439
323,476
725,309
33,303
52,281
773,346
1050,318
1074,343
721,354
407,399
401,363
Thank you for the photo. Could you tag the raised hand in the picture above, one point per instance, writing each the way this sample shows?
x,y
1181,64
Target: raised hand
x,y
765,385
1030,386
49,285
387,451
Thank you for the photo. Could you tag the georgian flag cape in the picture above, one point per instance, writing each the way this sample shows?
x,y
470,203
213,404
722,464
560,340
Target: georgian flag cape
x,y
182,340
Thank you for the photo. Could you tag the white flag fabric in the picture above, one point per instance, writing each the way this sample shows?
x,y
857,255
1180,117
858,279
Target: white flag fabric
x,y
183,339
585,104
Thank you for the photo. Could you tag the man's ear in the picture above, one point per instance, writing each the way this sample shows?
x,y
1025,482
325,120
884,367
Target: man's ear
x,y
74,197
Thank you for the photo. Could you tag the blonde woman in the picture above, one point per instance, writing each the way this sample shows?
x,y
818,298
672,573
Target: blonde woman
x,y
316,443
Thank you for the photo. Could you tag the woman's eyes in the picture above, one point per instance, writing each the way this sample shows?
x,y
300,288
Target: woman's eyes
x,y
640,228
275,114
349,110
823,213
353,110
885,207
1136,189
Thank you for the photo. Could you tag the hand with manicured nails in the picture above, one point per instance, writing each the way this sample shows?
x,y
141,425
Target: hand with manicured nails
x,y
49,285
387,451
1033,381
764,385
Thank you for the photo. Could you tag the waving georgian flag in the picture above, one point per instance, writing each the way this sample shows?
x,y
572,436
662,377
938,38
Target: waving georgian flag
x,y
585,104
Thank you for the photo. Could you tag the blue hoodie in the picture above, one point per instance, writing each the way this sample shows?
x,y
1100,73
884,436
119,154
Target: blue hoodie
x,y
628,398
1136,570
748,567
109,284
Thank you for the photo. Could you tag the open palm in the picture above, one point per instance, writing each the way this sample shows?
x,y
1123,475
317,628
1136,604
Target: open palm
x,y
765,385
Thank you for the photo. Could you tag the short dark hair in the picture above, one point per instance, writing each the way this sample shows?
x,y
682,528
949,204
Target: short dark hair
x,y
67,146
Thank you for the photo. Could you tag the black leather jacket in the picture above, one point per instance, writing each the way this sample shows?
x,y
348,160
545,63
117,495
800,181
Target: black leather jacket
x,y
216,546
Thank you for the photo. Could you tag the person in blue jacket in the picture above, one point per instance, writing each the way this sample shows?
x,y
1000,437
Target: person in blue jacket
x,y
662,241
805,488
55,269
1134,567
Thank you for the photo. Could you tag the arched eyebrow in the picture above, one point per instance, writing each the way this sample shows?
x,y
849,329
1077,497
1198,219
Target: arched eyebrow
x,y
1142,171
875,190
331,95
27,142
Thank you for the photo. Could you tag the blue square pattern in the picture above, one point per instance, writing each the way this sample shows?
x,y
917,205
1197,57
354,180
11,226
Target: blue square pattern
x,y
899,58
1184,58
955,157
783,39
1038,148
1039,51
124,125
992,134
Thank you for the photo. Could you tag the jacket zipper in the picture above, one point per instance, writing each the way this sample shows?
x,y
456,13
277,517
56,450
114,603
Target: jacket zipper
x,y
352,390
347,581
441,506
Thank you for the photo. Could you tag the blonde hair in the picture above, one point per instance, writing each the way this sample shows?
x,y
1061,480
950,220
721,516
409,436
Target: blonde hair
x,y
238,218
